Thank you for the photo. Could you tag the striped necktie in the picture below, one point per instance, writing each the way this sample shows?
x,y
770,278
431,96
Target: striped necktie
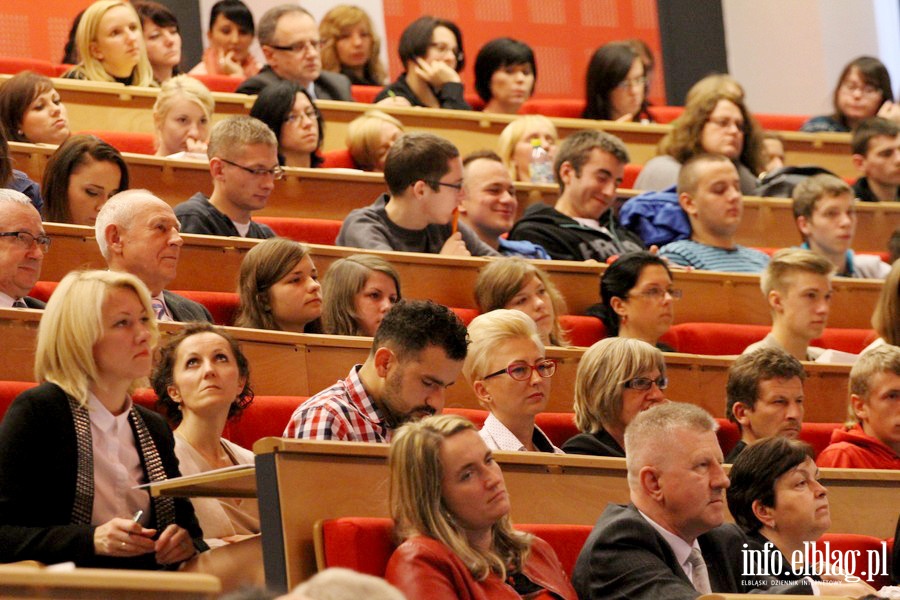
x,y
159,308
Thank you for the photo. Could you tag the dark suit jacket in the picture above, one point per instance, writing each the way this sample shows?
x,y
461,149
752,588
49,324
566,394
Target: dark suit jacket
x,y
34,303
329,86
625,558
186,310
38,466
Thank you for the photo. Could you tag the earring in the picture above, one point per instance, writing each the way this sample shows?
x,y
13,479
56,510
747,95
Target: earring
x,y
20,133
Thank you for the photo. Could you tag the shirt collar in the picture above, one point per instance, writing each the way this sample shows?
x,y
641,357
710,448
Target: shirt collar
x,y
101,416
6,301
680,548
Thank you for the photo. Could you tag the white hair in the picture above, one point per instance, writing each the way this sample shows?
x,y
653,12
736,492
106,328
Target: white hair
x,y
120,210
337,583
14,197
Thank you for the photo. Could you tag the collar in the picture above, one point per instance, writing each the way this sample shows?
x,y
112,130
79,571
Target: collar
x,y
6,301
849,269
361,398
506,440
680,548
101,416
311,90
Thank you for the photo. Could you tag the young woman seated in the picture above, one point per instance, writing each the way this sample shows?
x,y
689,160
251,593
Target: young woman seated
x,y
505,75
357,292
230,36
162,37
617,85
370,136
291,114
514,144
32,111
351,46
182,117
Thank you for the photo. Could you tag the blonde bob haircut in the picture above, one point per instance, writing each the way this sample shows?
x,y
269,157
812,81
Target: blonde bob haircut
x,y
489,330
345,278
73,322
512,135
788,261
86,34
881,359
886,318
181,86
265,264
331,28
418,507
364,137
602,373
500,280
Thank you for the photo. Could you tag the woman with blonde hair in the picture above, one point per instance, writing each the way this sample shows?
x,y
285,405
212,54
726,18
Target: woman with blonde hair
x,y
510,374
279,288
515,283
617,378
886,318
182,116
357,292
716,121
351,46
370,136
111,45
451,509
75,450
515,143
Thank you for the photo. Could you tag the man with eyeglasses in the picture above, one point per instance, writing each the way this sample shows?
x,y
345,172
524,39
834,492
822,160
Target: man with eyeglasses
x,y
764,397
424,177
23,245
876,154
290,41
243,162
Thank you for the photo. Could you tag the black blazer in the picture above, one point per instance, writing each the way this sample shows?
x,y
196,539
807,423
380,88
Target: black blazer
x,y
625,558
34,303
38,465
329,86
186,310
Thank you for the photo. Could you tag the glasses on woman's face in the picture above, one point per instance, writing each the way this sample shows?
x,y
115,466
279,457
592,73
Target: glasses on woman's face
x,y
645,383
658,294
726,123
851,87
521,371
634,82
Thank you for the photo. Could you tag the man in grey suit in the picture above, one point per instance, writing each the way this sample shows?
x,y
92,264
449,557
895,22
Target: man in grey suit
x,y
23,244
138,234
290,41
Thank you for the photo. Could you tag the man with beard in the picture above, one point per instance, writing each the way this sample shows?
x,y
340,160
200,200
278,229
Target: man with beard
x,y
417,353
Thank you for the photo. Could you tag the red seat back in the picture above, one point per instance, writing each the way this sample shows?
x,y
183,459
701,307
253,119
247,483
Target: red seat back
x,y
309,231
466,314
864,547
554,107
219,83
364,94
666,114
731,338
338,159
17,64
43,290
582,330
473,414
566,540
8,392
632,171
125,141
781,122
222,305
267,416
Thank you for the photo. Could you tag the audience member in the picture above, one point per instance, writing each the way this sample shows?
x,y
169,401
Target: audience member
x,y
764,397
668,543
70,51
709,191
894,246
23,245
351,46
182,116
243,163
797,286
229,37
423,174
338,583
78,496
14,179
510,374
431,52
290,113
162,38
777,500
80,177
616,85
617,378
876,154
451,511
32,111
417,353
138,234
370,137
863,91
489,205
773,152
505,75
825,213
279,288
645,54
715,83
517,284
886,317
357,292
291,44
514,144
715,121
871,438
637,298
588,167
111,45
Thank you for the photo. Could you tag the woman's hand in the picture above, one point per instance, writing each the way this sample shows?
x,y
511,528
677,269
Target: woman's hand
x,y
228,65
436,73
123,537
394,101
174,545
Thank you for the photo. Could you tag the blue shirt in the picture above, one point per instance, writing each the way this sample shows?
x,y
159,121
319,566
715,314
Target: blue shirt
x,y
739,259
522,248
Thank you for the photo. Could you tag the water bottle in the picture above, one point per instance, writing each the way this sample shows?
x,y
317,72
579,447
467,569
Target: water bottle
x,y
540,169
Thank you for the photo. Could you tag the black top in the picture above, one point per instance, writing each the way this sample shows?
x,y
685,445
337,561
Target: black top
x,y
738,448
449,96
198,215
594,444
864,192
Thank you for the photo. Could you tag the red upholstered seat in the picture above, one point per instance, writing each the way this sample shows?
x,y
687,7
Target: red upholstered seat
x,y
554,107
309,231
781,122
566,540
583,331
125,141
8,392
666,114
632,171
222,305
466,314
863,545
219,83
43,290
817,435
17,64
338,159
364,93
731,338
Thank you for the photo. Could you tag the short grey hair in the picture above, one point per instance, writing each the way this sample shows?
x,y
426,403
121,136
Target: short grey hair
x,y
265,29
14,197
120,210
338,583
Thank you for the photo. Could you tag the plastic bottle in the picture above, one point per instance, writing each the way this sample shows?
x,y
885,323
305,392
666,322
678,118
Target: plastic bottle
x,y
540,169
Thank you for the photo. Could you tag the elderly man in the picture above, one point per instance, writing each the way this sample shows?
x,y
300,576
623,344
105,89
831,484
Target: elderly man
x,y
138,234
290,41
23,244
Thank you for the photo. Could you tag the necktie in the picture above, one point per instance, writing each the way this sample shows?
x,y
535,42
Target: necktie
x,y
699,574
159,308
19,303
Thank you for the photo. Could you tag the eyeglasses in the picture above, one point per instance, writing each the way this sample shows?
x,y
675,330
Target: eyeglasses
x,y
522,371
309,113
645,383
726,123
300,47
28,240
455,186
659,294
276,172
444,49
626,84
865,89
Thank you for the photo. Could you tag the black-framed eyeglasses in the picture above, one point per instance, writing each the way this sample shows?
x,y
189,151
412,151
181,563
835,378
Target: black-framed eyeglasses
x,y
522,371
276,172
28,240
645,383
300,47
658,294
455,186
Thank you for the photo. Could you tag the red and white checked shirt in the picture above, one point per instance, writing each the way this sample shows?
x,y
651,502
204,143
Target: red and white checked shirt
x,y
344,412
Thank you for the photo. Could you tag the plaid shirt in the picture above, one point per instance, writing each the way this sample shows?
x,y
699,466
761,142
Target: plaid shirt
x,y
344,412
